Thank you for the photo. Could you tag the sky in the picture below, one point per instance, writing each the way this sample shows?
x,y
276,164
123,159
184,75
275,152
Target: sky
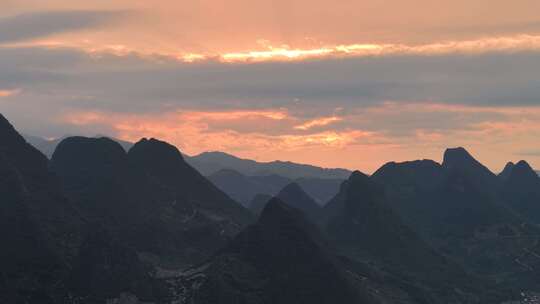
x,y
343,83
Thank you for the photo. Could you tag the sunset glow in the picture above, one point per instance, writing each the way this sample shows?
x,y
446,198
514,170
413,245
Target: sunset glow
x,y
505,44
347,84
7,93
196,132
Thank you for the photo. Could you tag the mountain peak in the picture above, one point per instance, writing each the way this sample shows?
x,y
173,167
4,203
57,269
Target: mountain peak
x,y
77,150
259,201
294,196
160,150
420,174
459,162
276,209
287,256
457,157
359,180
522,164
8,134
523,171
293,189
227,173
507,170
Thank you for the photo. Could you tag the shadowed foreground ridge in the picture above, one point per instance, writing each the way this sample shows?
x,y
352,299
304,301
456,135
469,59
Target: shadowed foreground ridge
x,y
280,259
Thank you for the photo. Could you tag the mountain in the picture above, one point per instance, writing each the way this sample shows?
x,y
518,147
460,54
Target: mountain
x,y
294,196
506,171
460,161
244,188
280,259
458,209
97,224
164,163
38,226
150,198
47,146
521,190
364,227
322,190
210,162
258,203
106,268
230,173
47,237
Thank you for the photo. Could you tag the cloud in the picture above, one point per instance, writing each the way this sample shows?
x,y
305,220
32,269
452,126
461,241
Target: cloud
x,y
196,131
411,129
9,92
41,24
319,122
529,153
353,112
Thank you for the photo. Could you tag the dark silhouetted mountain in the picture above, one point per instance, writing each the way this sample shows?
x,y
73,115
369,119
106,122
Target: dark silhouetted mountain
x,y
258,203
460,161
47,146
210,162
322,190
507,170
97,223
521,190
98,178
39,229
164,163
44,234
365,227
150,198
244,188
294,196
105,268
458,210
522,175
280,259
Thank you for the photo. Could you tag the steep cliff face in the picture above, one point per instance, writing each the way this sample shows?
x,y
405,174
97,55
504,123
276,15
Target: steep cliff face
x,y
39,227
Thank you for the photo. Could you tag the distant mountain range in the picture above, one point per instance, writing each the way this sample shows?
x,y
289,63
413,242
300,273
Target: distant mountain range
x,y
99,222
209,163
243,179
244,188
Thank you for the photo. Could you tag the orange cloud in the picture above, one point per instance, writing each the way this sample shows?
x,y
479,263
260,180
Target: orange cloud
x,y
7,93
513,43
324,121
189,130
510,131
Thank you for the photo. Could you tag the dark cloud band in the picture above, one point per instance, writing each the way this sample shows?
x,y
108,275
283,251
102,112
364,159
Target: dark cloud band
x,y
35,25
